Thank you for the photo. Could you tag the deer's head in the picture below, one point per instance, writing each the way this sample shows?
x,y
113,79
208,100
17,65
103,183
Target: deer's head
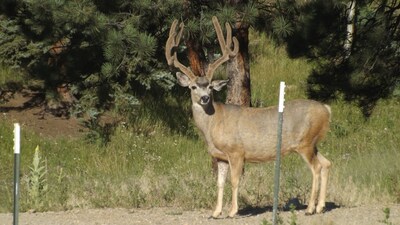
x,y
201,87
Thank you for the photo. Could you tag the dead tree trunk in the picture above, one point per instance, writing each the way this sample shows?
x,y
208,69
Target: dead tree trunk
x,y
351,12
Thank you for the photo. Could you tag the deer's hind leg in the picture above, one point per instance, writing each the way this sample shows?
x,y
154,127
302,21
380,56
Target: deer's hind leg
x,y
310,156
326,164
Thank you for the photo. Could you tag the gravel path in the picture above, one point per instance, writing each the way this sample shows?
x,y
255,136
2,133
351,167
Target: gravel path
x,y
366,215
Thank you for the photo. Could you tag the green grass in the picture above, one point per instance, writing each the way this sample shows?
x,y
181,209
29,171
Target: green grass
x,y
10,78
134,170
163,162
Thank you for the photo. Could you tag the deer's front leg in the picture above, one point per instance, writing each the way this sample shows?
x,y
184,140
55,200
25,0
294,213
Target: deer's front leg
x,y
222,173
236,165
214,152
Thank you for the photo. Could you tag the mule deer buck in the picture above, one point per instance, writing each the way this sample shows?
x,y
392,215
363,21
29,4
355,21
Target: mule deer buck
x,y
236,135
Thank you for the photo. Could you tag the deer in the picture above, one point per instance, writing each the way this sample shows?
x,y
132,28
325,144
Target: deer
x,y
237,134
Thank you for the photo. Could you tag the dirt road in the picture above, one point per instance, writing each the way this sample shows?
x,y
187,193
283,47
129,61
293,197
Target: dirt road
x,y
366,215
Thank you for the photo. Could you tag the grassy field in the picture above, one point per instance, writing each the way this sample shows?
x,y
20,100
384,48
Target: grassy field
x,y
153,165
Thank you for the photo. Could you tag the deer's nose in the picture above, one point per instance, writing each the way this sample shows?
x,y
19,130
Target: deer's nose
x,y
204,99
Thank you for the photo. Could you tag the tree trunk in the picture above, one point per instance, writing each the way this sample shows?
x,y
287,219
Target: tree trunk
x,y
238,70
195,52
196,56
351,7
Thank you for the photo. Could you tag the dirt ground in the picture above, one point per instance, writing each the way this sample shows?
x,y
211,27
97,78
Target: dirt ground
x,y
365,215
31,118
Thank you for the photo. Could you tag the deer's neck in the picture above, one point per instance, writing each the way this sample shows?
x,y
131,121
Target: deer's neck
x,y
203,115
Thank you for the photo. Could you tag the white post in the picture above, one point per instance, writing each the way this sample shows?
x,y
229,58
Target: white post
x,y
281,96
17,145
17,138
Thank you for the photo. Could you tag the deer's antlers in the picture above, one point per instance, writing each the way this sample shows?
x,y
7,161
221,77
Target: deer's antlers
x,y
171,48
227,52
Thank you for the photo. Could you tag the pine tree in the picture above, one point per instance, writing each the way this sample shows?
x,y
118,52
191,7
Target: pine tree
x,y
364,72
107,53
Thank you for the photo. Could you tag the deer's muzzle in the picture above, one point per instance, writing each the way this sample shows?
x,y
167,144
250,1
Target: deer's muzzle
x,y
204,100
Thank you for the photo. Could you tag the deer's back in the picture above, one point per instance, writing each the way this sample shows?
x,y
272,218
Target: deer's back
x,y
253,131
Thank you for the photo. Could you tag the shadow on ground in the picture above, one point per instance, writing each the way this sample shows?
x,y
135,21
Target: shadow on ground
x,y
253,211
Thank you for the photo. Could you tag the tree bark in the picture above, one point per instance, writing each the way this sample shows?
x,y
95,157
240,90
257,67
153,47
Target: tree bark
x,y
195,52
351,7
196,57
238,71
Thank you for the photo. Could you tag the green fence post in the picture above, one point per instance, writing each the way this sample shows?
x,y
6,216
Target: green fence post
x,y
278,152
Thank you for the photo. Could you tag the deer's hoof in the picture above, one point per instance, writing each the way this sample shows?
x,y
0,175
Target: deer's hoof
x,y
215,215
310,210
321,209
309,213
232,214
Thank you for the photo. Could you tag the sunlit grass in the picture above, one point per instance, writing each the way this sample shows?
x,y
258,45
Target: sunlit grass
x,y
272,67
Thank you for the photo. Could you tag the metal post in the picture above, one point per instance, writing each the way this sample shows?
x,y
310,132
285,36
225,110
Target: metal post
x,y
16,172
278,152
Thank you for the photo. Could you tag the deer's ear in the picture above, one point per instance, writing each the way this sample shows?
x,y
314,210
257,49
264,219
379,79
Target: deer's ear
x,y
219,84
183,79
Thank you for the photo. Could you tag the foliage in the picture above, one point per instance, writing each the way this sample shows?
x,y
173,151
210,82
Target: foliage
x,y
293,217
109,55
107,52
199,13
265,222
10,80
317,30
386,211
98,133
37,181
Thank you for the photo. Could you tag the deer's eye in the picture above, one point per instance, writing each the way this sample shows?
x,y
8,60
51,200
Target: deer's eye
x,y
211,87
193,87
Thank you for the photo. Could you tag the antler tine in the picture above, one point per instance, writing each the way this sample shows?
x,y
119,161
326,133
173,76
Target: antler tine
x,y
229,39
178,37
170,43
170,49
220,35
225,47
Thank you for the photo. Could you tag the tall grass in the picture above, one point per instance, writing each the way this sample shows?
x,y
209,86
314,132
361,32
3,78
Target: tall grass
x,y
271,65
163,162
